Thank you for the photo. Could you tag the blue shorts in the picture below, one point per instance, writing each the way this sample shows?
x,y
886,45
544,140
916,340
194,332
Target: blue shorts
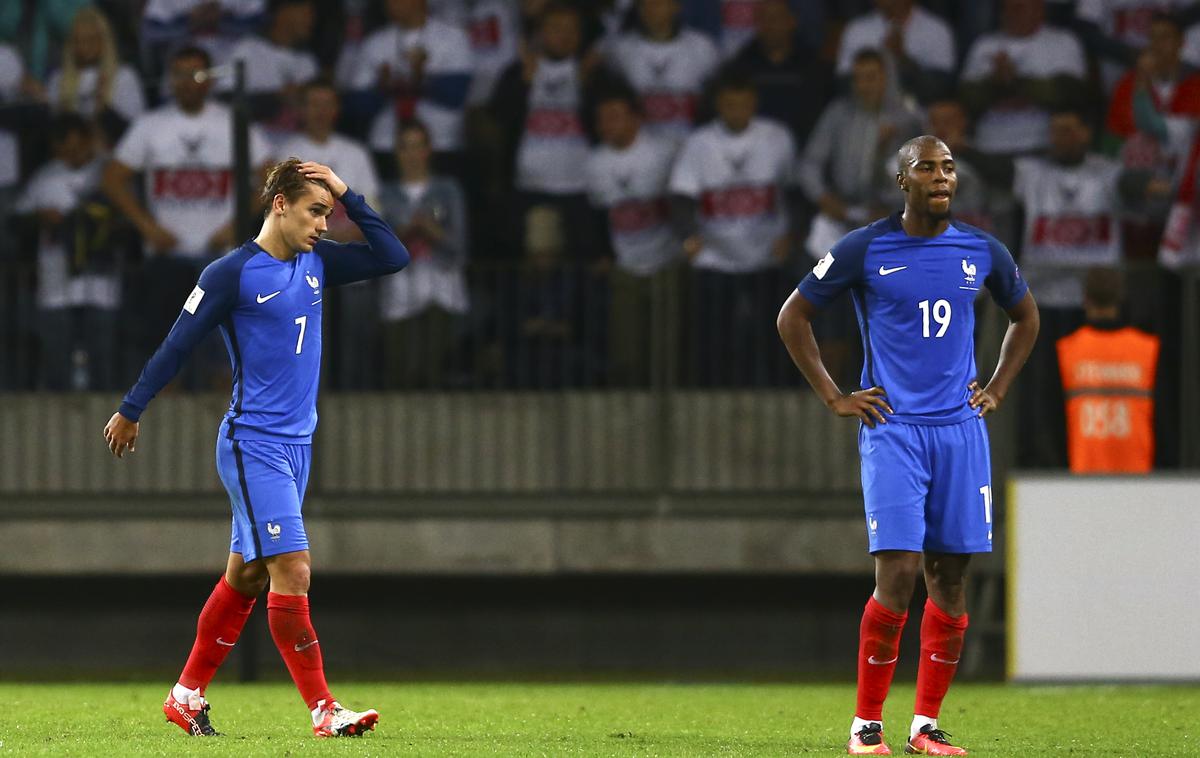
x,y
266,483
927,488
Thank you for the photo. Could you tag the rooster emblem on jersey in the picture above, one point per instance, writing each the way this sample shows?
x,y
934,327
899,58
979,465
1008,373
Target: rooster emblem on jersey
x,y
968,271
315,283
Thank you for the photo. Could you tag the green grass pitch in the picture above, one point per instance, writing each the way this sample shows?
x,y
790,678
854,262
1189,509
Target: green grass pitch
x,y
587,719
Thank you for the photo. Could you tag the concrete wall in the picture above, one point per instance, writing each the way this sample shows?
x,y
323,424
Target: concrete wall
x,y
495,443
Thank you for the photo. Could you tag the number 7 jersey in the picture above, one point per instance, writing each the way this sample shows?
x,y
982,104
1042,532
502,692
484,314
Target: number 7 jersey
x,y
269,314
915,299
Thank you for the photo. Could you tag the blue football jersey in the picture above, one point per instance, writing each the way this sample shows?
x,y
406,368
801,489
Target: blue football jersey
x,y
269,314
915,299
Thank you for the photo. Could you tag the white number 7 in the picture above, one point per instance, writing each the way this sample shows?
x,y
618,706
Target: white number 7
x,y
302,321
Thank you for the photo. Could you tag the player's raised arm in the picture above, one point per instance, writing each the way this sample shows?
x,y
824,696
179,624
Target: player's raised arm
x,y
208,305
382,253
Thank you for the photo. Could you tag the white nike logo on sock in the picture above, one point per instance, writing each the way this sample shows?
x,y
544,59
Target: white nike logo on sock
x,y
305,646
223,642
875,662
938,659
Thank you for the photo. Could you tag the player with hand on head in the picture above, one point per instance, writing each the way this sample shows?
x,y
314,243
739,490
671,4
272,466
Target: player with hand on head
x,y
265,297
926,474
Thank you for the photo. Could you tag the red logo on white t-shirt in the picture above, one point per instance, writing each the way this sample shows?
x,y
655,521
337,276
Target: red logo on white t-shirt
x,y
1072,231
738,202
485,33
191,183
738,14
630,216
664,107
553,122
1134,23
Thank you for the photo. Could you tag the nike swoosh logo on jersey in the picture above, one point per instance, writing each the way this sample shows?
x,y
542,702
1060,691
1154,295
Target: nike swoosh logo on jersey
x,y
885,271
938,659
262,299
223,642
876,662
305,646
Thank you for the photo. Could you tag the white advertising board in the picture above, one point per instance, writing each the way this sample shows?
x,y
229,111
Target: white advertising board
x,y
1103,578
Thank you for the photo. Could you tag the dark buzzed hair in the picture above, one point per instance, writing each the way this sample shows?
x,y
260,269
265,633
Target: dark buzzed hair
x,y
1166,17
910,150
1104,287
868,55
66,124
192,51
734,77
285,178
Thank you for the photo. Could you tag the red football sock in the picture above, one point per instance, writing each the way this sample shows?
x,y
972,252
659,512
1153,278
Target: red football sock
x,y
293,632
941,647
217,630
878,651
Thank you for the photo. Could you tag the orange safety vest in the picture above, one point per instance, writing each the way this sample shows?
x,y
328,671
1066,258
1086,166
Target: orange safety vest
x,y
1108,379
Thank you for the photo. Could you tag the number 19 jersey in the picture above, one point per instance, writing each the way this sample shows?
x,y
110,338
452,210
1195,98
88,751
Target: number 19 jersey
x,y
915,298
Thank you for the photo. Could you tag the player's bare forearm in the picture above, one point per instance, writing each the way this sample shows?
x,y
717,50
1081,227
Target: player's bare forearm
x,y
795,329
1018,344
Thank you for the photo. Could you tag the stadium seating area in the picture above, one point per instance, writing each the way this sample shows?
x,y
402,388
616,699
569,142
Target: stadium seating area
x,y
597,194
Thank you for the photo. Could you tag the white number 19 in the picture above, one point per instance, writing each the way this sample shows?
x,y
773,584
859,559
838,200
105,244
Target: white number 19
x,y
302,321
941,314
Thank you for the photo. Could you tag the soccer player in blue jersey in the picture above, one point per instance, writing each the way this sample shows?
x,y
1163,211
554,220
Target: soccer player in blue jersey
x,y
926,475
265,297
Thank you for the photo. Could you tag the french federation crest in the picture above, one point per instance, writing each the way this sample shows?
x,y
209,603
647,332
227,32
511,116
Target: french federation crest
x,y
968,271
315,283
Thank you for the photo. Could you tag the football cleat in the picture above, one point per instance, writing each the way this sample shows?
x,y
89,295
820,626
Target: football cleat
x,y
190,716
333,720
932,741
868,741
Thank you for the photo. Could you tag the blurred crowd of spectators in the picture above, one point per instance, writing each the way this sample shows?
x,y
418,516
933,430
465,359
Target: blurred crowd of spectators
x,y
595,192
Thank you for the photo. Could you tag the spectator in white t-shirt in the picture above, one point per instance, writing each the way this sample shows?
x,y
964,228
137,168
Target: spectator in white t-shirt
x,y
918,44
422,67
667,64
495,32
538,105
727,188
627,179
319,142
184,152
92,81
78,279
212,25
277,64
1013,78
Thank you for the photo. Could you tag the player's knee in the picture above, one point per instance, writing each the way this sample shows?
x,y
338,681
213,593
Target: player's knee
x,y
291,576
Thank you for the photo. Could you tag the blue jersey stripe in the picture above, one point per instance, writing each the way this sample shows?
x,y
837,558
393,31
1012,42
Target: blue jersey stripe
x,y
241,469
860,302
239,384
